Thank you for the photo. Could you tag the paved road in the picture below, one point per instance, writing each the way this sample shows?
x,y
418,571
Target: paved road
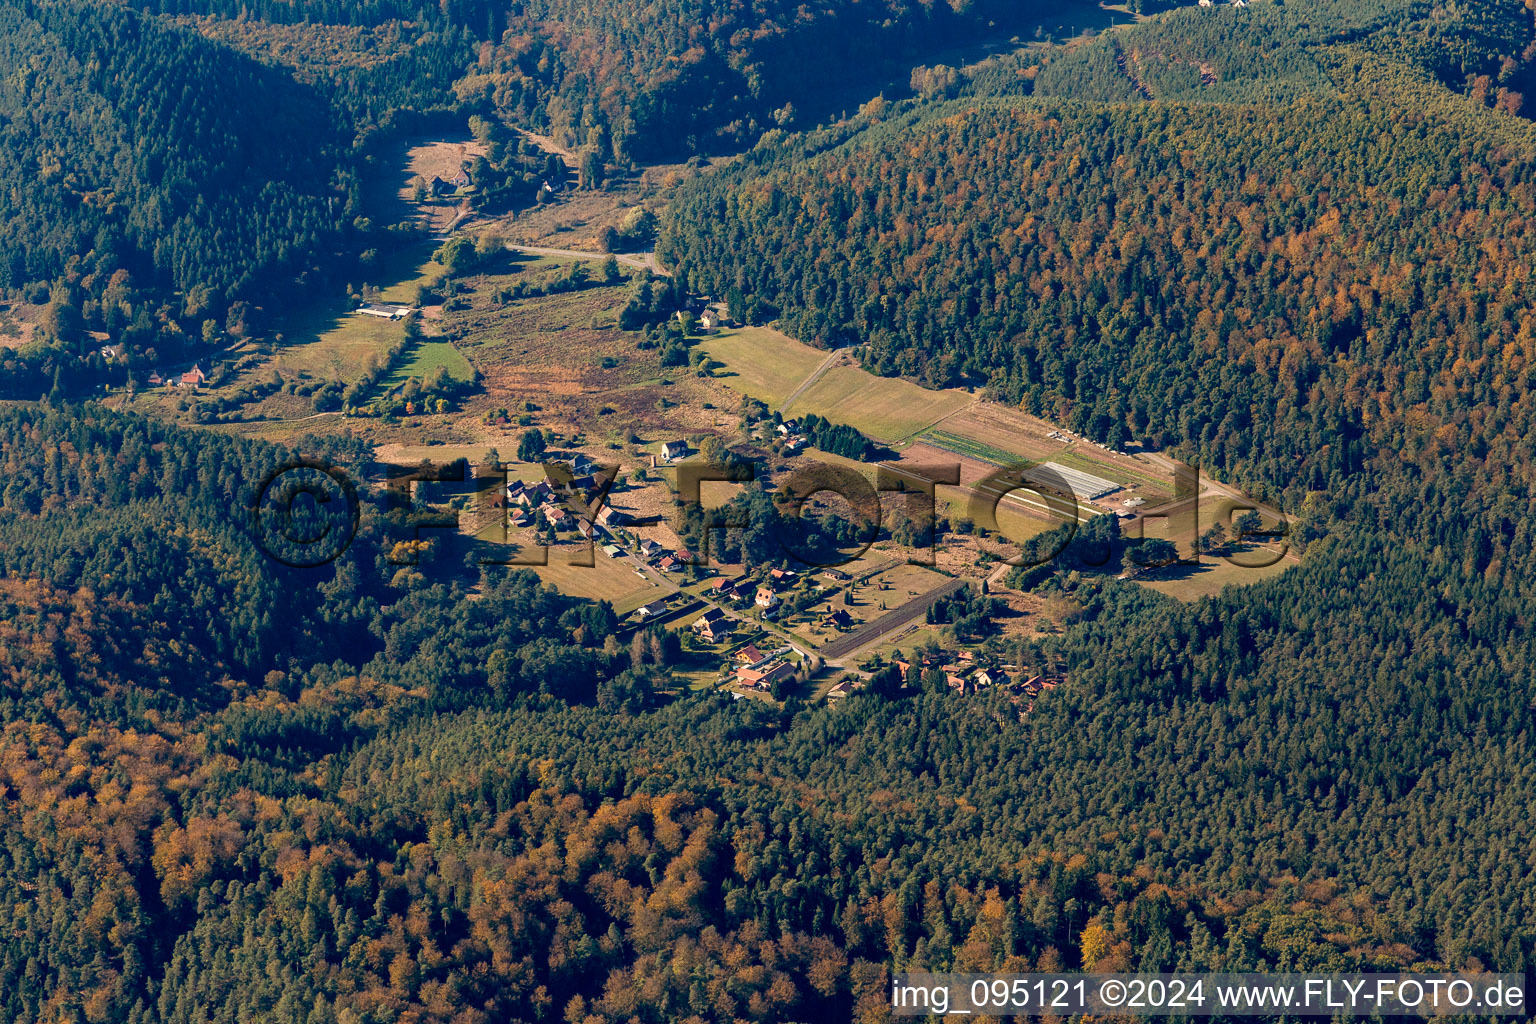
x,y
896,617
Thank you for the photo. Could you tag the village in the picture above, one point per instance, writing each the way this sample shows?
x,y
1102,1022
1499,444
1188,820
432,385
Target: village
x,y
603,418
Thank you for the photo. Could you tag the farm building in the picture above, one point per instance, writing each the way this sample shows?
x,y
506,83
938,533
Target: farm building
x,y
1083,485
383,310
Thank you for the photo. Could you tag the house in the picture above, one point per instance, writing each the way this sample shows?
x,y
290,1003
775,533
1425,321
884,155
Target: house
x,y
835,575
610,516
383,310
194,378
749,655
795,443
787,428
766,598
155,380
839,619
673,450
764,678
556,516
669,563
723,588
713,625
714,632
460,179
784,577
650,611
613,551
110,352
985,678
581,464
521,519
649,548
585,528
710,320
438,187
843,689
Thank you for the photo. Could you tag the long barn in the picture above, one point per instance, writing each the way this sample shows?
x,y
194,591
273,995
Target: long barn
x,y
1085,486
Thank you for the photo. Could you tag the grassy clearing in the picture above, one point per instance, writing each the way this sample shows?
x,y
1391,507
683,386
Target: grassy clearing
x,y
1213,574
761,362
338,351
609,579
886,408
424,359
906,640
332,342
606,579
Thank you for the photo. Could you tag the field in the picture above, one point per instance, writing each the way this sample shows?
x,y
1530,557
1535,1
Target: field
x,y
338,352
609,579
606,579
770,366
996,433
334,343
761,362
424,359
1207,579
886,408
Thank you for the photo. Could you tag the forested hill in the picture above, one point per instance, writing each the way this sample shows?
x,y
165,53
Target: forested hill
x,y
1266,283
1271,53
367,796
665,78
140,161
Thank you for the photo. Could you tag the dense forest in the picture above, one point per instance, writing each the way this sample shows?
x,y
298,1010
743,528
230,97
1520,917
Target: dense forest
x,y
368,795
1088,261
664,78
156,193
180,170
372,792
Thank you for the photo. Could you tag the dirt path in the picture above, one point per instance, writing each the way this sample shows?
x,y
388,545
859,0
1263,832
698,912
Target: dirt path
x,y
640,261
549,145
816,374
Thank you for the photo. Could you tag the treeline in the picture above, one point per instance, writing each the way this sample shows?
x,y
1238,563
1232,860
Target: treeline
x,y
838,438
